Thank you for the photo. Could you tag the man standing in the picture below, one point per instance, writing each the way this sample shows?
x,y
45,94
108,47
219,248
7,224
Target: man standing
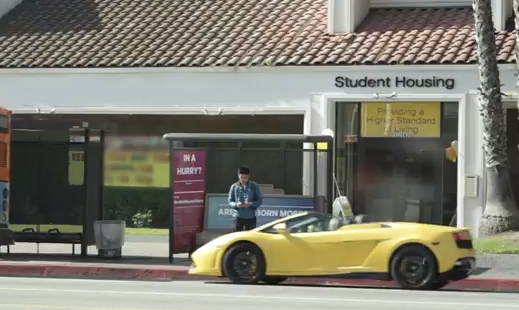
x,y
245,198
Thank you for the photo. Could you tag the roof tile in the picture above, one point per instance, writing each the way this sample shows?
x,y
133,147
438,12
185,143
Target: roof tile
x,y
201,33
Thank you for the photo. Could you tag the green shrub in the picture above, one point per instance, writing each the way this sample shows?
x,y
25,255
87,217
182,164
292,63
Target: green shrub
x,y
123,203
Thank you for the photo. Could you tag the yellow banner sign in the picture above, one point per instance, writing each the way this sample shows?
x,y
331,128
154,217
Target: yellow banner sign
x,y
137,168
401,119
126,168
76,167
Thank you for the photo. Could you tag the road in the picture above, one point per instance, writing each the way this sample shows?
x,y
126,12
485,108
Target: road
x,y
66,294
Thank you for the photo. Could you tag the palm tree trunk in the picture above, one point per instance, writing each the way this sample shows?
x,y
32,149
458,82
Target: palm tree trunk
x,y
500,214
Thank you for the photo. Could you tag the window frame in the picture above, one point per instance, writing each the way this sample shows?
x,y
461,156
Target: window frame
x,y
319,216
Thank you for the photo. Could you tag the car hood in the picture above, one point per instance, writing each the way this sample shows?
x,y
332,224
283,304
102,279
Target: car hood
x,y
227,238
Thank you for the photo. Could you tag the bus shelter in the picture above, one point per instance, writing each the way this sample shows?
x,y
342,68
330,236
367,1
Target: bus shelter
x,y
192,216
57,180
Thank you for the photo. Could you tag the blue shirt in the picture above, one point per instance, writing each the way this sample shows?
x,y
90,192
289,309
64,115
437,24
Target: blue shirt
x,y
248,193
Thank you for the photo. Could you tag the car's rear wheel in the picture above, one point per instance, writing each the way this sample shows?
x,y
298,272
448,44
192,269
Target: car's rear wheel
x,y
244,263
415,267
273,280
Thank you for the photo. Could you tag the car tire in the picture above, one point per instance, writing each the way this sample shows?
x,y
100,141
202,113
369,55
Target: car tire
x,y
251,257
415,267
273,280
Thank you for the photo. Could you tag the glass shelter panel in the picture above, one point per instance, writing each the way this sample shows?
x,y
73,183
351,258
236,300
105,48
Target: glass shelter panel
x,y
137,161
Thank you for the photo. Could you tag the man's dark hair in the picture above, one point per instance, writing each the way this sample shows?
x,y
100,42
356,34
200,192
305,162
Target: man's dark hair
x,y
243,170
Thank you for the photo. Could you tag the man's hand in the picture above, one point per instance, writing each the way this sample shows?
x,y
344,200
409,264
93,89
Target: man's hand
x,y
240,205
248,204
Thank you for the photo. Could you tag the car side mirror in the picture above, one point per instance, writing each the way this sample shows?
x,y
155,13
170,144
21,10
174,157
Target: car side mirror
x,y
281,228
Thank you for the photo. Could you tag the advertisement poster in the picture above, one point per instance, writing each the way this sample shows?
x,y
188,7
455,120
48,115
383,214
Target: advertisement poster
x,y
189,168
76,166
401,120
137,168
123,168
219,215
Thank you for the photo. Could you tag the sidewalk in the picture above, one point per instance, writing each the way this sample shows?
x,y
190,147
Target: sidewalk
x,y
147,261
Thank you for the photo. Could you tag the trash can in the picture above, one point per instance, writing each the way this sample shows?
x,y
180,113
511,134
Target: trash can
x,y
109,236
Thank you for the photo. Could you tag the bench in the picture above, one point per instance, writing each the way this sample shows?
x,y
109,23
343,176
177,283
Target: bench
x,y
53,235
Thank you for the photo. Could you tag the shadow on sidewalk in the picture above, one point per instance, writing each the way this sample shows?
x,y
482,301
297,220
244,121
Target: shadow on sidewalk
x,y
480,270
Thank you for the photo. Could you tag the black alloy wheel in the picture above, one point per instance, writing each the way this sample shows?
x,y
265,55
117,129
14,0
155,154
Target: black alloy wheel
x,y
244,263
415,267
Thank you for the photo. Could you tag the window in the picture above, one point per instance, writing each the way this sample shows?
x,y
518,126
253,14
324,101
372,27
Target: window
x,y
310,223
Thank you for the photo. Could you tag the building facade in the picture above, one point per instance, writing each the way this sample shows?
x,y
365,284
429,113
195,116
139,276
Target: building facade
x,y
435,117
395,94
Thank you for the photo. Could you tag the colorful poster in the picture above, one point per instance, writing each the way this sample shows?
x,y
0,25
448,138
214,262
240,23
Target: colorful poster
x,y
136,168
219,215
125,168
401,119
76,167
189,172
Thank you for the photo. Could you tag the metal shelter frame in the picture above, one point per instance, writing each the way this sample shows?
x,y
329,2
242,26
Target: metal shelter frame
x,y
243,138
86,128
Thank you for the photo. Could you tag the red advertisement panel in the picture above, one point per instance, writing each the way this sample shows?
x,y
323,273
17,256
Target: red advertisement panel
x,y
189,194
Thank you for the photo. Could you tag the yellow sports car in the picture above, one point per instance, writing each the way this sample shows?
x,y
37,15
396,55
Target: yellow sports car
x,y
416,256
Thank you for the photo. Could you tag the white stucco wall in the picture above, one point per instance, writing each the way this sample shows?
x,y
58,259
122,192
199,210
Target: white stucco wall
x,y
309,91
182,91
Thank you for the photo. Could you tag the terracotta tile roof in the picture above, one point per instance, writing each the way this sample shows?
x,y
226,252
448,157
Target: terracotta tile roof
x,y
196,33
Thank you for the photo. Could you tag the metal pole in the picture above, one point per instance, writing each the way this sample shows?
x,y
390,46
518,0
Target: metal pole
x,y
330,187
101,176
283,164
314,178
86,200
239,149
172,210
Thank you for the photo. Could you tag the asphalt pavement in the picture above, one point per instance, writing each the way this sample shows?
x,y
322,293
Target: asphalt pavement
x,y
66,294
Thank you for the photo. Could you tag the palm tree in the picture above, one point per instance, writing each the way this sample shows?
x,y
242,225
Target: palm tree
x,y
500,214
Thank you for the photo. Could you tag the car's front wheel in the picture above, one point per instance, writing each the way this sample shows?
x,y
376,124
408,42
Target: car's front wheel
x,y
273,280
244,263
415,267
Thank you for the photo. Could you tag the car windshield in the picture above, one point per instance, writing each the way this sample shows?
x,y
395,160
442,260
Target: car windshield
x,y
313,222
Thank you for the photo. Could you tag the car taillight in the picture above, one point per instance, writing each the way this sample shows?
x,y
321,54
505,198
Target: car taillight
x,y
462,240
457,236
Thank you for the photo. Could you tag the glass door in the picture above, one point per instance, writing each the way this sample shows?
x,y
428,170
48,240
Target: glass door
x,y
399,179
422,182
377,192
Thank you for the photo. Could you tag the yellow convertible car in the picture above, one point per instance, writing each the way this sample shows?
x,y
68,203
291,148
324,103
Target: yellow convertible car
x,y
415,256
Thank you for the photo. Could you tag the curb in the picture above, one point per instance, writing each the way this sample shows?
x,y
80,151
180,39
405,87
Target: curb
x,y
168,273
144,273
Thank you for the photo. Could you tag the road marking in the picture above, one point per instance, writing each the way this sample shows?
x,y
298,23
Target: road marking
x,y
32,306
249,297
